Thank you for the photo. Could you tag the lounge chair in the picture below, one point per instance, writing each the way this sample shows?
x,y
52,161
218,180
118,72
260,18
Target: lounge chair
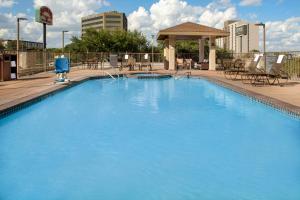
x,y
252,69
275,74
128,61
237,67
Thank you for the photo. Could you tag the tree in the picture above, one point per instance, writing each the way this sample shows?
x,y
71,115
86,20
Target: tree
x,y
1,46
190,49
106,41
224,54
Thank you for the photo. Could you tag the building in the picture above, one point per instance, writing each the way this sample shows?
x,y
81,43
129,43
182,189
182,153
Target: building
x,y
24,45
244,37
111,21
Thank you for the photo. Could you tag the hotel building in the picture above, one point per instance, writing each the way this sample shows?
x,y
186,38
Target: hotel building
x,y
111,21
244,37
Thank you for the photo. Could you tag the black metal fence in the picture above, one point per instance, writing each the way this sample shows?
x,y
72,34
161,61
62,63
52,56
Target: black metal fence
x,y
32,62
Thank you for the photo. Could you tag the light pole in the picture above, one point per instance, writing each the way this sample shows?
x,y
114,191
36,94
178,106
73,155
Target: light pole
x,y
63,40
18,42
152,49
264,43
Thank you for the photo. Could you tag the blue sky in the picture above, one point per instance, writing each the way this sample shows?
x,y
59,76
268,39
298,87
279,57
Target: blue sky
x,y
282,16
268,10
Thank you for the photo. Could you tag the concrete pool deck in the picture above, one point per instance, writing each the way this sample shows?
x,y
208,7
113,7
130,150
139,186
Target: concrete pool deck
x,y
15,93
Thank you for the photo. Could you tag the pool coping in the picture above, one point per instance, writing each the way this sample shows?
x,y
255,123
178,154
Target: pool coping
x,y
282,106
18,104
23,102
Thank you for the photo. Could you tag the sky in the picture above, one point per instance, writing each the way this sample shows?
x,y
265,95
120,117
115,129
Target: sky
x,y
282,17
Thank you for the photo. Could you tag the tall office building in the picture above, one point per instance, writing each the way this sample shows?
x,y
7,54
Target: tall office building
x,y
111,21
244,37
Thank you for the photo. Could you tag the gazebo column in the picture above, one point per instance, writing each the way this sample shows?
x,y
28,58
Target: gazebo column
x,y
201,50
166,50
172,42
212,53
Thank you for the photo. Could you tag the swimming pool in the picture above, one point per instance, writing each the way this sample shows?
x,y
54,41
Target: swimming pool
x,y
136,139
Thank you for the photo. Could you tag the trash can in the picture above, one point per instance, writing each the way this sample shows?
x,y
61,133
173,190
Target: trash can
x,y
8,67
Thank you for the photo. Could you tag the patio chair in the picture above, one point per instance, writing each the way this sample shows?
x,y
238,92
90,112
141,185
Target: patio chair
x,y
124,62
252,69
275,74
180,64
235,68
131,63
204,65
146,62
189,63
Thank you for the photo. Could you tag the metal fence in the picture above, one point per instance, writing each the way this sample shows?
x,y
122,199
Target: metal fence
x,y
32,62
291,65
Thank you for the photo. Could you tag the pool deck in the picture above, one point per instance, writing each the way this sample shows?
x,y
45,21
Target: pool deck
x,y
15,93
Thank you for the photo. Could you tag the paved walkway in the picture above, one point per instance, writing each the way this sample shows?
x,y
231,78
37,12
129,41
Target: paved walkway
x,y
15,92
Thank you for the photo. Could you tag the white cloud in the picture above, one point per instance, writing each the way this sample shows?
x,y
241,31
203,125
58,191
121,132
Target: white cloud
x,y
9,22
7,3
166,13
217,12
67,16
250,2
283,35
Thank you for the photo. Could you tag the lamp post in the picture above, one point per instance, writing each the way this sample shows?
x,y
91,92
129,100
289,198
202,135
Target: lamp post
x,y
152,49
264,43
18,42
63,40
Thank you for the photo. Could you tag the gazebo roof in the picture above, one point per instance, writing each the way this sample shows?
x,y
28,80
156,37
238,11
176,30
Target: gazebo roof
x,y
191,30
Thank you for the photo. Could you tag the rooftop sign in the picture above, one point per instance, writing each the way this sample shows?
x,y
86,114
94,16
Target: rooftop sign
x,y
241,30
44,15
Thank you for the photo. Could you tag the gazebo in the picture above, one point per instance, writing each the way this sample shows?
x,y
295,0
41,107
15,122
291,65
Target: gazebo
x,y
190,31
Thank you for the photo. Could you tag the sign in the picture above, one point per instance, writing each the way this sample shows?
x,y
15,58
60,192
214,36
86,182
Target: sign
x,y
44,15
241,30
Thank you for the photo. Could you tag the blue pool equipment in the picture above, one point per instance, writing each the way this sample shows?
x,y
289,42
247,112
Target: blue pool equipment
x,y
62,67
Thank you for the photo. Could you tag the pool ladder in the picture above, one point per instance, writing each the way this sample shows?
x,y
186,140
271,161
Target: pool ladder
x,y
109,74
187,74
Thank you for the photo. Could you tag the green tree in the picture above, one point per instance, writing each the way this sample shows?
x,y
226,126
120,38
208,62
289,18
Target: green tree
x,y
224,54
1,46
106,41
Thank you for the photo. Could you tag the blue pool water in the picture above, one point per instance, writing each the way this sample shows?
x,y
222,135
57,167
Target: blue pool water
x,y
134,139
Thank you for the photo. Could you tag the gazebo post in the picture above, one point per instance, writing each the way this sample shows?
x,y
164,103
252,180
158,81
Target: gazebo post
x,y
172,42
212,53
166,52
201,50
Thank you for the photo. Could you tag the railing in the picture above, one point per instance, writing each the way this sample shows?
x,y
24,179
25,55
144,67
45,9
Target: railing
x,y
291,66
32,62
